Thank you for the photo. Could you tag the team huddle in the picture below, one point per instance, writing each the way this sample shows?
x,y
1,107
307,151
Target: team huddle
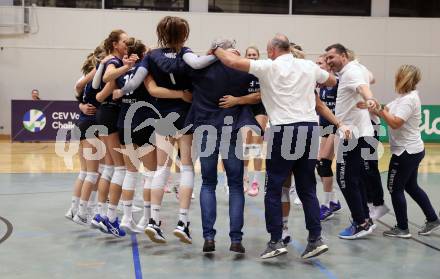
x,y
139,105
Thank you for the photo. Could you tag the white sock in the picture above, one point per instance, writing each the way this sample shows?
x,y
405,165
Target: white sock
x,y
285,221
183,215
75,203
101,210
82,208
245,172
111,212
147,210
155,213
92,199
333,196
327,198
128,208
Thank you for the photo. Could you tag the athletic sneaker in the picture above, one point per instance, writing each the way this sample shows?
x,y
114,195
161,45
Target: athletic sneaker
x,y
274,249
379,212
335,206
371,224
297,201
142,224
429,227
255,188
128,225
113,227
325,213
82,220
237,247
154,232
134,208
314,249
294,195
286,236
355,231
70,214
397,232
182,232
98,223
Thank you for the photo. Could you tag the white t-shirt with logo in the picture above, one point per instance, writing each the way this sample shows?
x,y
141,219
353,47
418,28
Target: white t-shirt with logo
x,y
408,108
351,77
288,88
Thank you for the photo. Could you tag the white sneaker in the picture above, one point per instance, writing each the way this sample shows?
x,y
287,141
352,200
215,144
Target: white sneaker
x,y
379,212
81,220
142,224
128,225
135,208
297,201
70,214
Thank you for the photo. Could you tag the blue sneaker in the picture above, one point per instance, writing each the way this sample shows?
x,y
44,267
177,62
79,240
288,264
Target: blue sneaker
x,y
113,227
98,223
325,213
335,206
355,231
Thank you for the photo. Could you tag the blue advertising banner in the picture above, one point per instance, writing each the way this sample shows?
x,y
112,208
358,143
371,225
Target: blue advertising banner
x,y
40,120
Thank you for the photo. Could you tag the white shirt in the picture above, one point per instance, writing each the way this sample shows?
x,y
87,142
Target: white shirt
x,y
288,88
408,108
351,77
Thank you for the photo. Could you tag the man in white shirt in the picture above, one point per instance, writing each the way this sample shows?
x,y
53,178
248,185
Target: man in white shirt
x,y
287,92
354,87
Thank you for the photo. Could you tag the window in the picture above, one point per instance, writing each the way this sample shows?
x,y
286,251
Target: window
x,y
415,8
155,5
249,6
92,4
332,7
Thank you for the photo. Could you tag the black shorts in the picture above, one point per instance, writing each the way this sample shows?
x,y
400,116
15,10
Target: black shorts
x,y
258,109
140,137
84,126
325,130
107,116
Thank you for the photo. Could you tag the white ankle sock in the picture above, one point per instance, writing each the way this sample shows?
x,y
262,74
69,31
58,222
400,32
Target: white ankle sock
x,y
82,208
147,210
75,203
155,213
333,196
183,215
128,208
111,212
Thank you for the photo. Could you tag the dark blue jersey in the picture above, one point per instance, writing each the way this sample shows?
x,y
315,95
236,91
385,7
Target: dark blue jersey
x,y
139,94
212,83
89,97
328,96
169,78
118,63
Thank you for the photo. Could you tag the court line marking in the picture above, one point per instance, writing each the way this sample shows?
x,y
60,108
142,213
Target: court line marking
x,y
34,193
136,259
9,229
298,247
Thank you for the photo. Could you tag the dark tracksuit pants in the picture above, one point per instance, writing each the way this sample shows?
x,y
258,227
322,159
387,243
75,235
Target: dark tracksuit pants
x,y
373,182
402,176
296,151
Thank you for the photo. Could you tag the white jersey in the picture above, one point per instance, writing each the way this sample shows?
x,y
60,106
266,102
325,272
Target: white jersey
x,y
288,88
407,138
351,77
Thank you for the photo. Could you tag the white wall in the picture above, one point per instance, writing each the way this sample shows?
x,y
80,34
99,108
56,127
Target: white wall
x,y
50,59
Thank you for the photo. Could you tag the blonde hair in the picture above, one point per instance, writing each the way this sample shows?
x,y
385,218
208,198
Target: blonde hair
x,y
297,51
407,77
254,48
351,55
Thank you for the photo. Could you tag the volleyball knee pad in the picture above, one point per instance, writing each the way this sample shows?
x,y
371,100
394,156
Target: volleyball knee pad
x,y
324,168
82,175
118,176
92,177
107,172
148,179
285,194
160,177
254,150
130,181
187,176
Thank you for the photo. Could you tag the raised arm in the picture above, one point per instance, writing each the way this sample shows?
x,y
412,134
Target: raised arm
x,y
198,62
165,93
232,60
325,112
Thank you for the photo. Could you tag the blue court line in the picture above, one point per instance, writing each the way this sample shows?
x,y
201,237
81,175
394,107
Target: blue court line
x,y
136,260
298,248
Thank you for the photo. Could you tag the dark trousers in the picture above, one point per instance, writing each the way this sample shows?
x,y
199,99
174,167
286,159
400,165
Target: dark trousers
x,y
373,182
302,144
234,172
402,176
350,171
